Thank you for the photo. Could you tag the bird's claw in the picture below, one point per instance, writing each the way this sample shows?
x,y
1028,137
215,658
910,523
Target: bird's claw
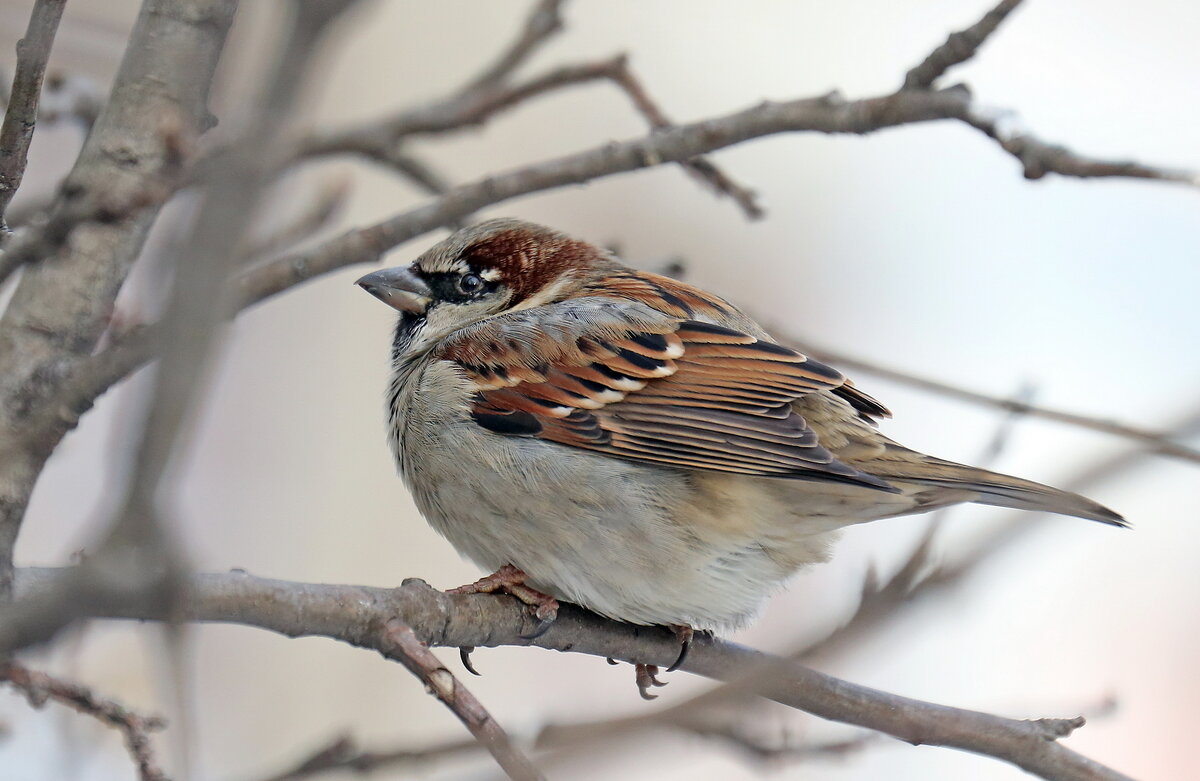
x,y
464,655
684,634
646,675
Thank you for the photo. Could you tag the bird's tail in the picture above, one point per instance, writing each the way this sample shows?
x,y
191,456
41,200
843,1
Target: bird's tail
x,y
989,487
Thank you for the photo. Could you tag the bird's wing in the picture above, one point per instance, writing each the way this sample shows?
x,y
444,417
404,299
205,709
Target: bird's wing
x,y
620,378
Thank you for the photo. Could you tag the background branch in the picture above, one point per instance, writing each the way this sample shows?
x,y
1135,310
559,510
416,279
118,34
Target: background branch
x,y
343,754
59,310
828,114
135,729
1156,441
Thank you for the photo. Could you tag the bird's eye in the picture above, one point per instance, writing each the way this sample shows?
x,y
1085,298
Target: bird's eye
x,y
470,283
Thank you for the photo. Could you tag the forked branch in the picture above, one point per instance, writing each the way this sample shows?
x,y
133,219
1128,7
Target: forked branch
x,y
353,614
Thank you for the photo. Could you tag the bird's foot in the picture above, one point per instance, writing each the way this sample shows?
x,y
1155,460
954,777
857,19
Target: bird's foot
x,y
646,675
510,580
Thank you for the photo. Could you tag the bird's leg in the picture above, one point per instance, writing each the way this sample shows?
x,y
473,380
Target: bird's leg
x,y
646,675
684,634
510,580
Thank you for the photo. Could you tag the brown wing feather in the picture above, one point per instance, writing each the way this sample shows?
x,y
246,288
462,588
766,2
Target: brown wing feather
x,y
644,386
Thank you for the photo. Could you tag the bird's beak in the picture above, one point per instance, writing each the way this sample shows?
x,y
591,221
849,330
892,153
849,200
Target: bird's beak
x,y
399,288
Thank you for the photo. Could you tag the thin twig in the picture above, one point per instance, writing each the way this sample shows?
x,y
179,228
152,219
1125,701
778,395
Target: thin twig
x,y
326,206
401,643
1157,441
341,754
20,118
919,579
771,753
697,717
382,141
1039,158
958,48
543,22
878,603
39,687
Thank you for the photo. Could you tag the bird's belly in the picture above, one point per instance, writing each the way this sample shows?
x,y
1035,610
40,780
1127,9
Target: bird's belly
x,y
635,542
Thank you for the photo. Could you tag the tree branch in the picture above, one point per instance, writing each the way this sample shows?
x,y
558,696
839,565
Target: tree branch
x,y
826,114
382,141
58,310
919,578
353,614
1156,441
20,118
958,48
401,644
39,687
326,205
342,754
541,25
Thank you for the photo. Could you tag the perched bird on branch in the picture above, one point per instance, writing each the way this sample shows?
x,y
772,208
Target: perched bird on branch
x,y
633,444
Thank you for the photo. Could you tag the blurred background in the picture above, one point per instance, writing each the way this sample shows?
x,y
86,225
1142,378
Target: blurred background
x,y
920,248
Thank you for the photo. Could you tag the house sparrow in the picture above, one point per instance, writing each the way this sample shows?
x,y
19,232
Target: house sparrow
x,y
633,444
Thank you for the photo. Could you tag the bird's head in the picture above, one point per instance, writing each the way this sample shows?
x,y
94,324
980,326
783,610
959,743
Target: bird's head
x,y
480,272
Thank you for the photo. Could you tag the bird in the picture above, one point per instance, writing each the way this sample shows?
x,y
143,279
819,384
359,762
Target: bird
x,y
633,444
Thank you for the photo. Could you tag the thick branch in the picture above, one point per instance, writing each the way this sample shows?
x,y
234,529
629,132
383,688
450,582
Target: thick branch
x,y
62,305
354,614
33,52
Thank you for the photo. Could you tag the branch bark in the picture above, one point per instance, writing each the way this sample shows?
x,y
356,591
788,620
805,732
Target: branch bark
x,y
958,48
20,118
402,644
356,614
62,304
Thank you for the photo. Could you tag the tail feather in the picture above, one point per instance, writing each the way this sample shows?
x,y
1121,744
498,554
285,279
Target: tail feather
x,y
994,488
